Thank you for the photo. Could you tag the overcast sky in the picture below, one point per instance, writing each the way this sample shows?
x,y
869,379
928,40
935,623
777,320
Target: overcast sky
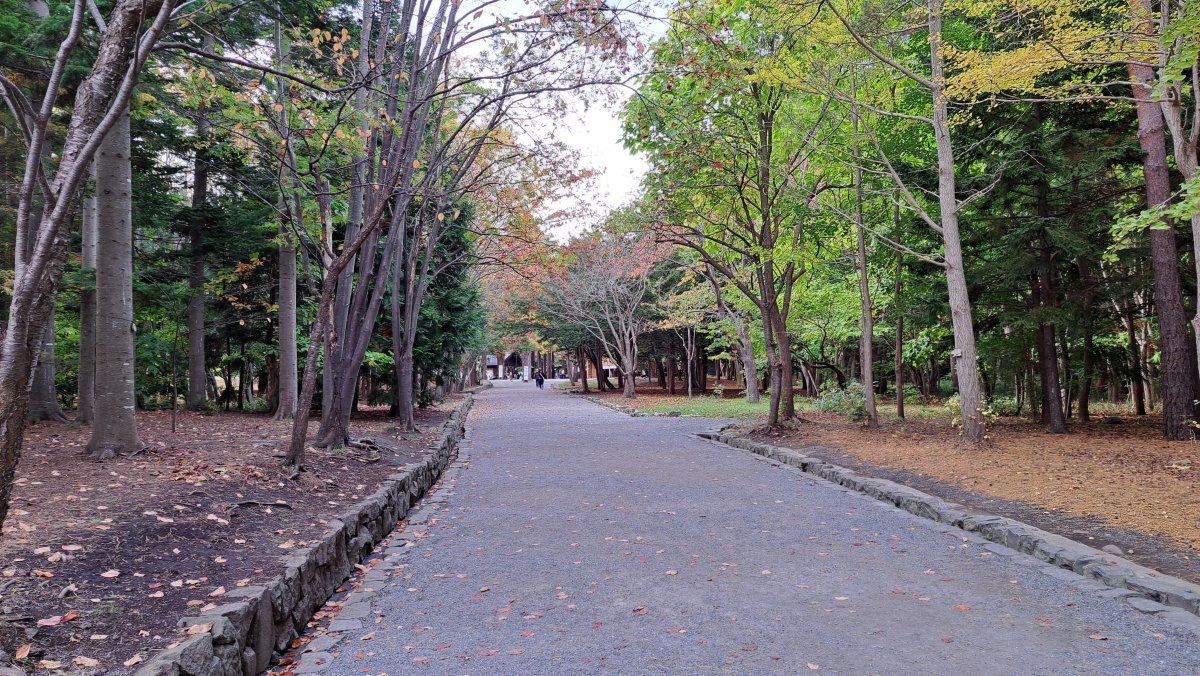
x,y
596,134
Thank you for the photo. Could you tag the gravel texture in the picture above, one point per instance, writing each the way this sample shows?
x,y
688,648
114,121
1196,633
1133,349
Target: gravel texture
x,y
569,538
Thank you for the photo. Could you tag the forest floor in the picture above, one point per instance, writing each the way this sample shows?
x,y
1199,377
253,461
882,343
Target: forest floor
x,y
1101,484
102,558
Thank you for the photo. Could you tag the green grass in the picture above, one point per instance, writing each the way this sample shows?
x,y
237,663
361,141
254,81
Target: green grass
x,y
707,407
566,384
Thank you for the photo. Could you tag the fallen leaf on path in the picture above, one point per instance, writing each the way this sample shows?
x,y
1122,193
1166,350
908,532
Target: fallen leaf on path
x,y
518,651
23,651
132,660
86,661
49,664
219,591
677,630
110,573
1098,637
199,629
750,648
963,607
814,667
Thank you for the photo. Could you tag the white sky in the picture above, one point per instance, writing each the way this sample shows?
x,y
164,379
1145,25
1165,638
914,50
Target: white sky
x,y
596,135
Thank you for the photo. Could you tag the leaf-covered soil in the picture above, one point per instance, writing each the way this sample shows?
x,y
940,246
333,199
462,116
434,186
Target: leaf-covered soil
x,y
100,559
1101,484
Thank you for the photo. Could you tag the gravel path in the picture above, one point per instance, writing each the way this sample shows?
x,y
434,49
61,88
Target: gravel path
x,y
575,540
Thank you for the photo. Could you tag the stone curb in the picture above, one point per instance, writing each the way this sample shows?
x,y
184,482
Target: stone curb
x,y
1148,585
258,621
388,563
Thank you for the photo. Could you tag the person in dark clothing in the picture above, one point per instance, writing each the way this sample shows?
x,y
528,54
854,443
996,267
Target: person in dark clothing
x,y
540,379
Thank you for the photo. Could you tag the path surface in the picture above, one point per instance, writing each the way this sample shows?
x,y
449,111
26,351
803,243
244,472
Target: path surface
x,y
579,541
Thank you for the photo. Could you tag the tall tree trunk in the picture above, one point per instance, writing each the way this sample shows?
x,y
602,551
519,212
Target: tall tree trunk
x,y
43,396
749,365
196,225
1052,405
1136,390
866,321
87,317
115,428
970,399
1177,395
1089,330
783,347
289,353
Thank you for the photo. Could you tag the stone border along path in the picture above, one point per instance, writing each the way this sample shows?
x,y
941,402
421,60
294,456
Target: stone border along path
x,y
1143,588
393,553
256,622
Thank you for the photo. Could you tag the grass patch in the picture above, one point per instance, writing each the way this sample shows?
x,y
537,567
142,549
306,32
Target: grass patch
x,y
706,407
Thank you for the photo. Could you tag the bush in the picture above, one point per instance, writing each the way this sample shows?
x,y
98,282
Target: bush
x,y
851,400
1005,407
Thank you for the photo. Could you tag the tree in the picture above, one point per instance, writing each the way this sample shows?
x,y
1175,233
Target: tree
x,y
602,292
100,102
114,430
731,176
1078,51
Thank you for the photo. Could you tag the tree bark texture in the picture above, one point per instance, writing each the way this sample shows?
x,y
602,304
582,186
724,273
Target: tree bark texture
x,y
288,352
87,318
1176,377
99,101
115,428
964,359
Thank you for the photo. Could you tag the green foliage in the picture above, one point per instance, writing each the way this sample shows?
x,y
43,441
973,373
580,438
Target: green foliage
x,y
850,401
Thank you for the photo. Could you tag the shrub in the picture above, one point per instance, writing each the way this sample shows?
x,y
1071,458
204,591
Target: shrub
x,y
850,400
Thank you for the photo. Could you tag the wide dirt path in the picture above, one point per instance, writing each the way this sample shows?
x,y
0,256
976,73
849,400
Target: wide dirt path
x,y
579,540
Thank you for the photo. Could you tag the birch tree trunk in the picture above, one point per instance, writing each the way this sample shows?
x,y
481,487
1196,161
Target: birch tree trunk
x,y
970,399
115,428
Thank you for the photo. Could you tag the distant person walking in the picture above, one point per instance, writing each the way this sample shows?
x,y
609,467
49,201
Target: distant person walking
x,y
540,379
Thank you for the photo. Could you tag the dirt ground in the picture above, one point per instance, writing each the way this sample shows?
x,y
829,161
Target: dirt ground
x,y
1102,484
99,560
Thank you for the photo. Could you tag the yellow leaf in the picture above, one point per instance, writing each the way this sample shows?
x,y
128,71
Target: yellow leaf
x,y
416,164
